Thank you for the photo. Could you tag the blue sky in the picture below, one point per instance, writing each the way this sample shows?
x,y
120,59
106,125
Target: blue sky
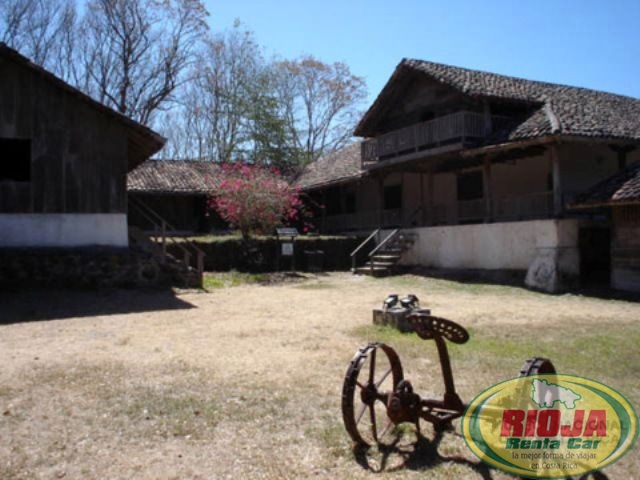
x,y
594,44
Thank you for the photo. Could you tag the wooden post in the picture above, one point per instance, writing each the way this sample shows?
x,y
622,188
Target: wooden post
x,y
163,237
430,197
380,200
402,202
324,211
486,184
422,205
557,181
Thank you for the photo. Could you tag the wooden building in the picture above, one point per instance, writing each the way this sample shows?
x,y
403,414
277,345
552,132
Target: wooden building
x,y
621,194
176,190
63,161
479,168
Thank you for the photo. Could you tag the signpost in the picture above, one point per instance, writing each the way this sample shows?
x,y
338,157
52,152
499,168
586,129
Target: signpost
x,y
286,241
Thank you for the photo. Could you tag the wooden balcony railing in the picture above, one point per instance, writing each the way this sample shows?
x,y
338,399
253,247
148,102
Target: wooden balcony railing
x,y
528,206
457,127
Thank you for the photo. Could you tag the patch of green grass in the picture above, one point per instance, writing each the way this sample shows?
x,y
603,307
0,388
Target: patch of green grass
x,y
171,413
416,282
238,236
608,353
332,436
316,286
232,278
5,391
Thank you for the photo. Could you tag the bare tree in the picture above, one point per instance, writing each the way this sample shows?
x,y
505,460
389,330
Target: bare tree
x,y
218,105
320,103
41,30
135,53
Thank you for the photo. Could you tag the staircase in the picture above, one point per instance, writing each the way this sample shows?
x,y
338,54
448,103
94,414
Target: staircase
x,y
386,253
184,271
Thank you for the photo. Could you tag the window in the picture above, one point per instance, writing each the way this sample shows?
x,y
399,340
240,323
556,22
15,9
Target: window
x,y
393,197
470,186
15,159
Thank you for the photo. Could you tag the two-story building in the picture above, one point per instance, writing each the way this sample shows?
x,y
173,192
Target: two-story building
x,y
480,168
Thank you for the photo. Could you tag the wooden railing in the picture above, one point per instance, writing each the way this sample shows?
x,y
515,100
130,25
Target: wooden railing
x,y
162,231
354,254
534,205
460,126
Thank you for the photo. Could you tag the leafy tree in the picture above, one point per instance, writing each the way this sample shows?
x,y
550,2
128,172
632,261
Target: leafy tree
x,y
254,198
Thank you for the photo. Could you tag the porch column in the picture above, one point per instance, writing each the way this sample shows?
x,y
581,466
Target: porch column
x,y
557,183
403,220
430,197
380,200
486,185
324,211
422,205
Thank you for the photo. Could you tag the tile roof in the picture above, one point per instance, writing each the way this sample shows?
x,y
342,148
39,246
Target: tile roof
x,y
342,165
554,110
558,109
174,176
621,188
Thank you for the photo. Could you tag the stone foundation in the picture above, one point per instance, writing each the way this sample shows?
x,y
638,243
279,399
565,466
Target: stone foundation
x,y
93,267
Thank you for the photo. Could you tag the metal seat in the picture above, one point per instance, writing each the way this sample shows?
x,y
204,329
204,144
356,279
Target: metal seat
x,y
428,327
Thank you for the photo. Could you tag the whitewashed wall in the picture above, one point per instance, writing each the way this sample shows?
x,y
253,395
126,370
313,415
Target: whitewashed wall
x,y
508,245
63,230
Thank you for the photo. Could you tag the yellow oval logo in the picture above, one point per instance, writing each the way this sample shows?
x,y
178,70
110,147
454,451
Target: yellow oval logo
x,y
550,426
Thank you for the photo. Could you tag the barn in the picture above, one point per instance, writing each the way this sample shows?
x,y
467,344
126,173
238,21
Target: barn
x,y
64,159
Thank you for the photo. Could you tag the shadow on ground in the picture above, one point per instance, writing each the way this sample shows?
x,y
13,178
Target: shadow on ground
x,y
35,305
515,278
424,455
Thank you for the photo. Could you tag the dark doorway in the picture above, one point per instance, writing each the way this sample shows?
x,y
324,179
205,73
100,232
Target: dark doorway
x,y
595,255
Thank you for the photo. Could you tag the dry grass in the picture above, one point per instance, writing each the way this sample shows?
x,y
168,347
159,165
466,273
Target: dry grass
x,y
245,382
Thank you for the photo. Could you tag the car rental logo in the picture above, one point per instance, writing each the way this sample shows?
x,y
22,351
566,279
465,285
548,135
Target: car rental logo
x,y
550,426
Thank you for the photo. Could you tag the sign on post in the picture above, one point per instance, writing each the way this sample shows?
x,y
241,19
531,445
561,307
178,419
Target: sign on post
x,y
286,238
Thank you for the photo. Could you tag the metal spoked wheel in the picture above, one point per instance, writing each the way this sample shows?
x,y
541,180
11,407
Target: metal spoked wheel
x,y
372,377
537,366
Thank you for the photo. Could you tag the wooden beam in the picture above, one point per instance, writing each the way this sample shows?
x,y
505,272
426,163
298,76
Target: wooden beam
x,y
422,206
430,197
557,180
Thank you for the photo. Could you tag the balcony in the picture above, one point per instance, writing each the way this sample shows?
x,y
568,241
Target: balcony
x,y
443,133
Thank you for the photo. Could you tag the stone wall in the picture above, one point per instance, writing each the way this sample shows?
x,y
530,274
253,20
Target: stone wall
x,y
79,268
262,254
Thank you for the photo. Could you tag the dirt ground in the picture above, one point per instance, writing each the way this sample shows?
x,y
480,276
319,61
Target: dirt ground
x,y
241,382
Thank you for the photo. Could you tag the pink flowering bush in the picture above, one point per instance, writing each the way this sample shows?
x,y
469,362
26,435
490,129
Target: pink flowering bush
x,y
254,199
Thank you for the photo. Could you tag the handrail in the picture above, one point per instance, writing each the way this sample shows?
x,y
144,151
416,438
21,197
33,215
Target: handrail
x,y
359,247
384,242
161,225
379,246
413,215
